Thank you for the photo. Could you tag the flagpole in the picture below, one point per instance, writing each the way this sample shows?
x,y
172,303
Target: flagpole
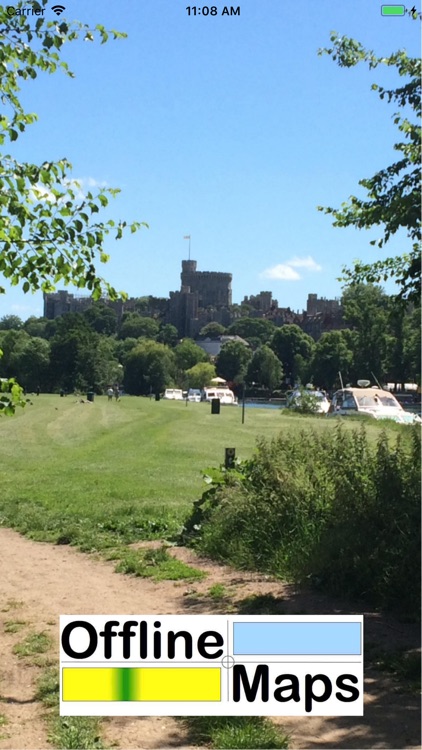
x,y
187,237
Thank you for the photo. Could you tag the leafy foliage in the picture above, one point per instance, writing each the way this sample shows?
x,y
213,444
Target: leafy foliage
x,y
393,193
256,328
188,354
136,326
294,349
212,330
11,396
366,311
324,507
200,375
49,230
332,355
265,369
149,367
233,360
304,402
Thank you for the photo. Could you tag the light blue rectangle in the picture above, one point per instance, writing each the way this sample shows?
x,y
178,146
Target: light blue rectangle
x,y
297,638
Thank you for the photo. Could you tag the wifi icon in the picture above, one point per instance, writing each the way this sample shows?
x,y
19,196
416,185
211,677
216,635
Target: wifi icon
x,y
58,9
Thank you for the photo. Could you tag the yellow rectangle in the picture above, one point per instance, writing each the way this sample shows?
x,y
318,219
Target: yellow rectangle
x,y
180,684
88,684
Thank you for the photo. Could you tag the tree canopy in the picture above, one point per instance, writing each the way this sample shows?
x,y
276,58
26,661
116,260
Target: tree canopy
x,y
294,349
49,230
265,369
233,360
393,193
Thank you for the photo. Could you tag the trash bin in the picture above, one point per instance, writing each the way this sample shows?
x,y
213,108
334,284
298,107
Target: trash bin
x,y
215,406
90,396
157,396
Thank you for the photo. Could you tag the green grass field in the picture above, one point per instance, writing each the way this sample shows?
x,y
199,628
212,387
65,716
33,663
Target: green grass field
x,y
101,476
101,473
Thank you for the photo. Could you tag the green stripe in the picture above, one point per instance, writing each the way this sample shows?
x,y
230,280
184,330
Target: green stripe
x,y
126,684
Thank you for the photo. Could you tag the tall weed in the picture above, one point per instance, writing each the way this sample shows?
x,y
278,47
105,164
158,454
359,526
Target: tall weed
x,y
325,507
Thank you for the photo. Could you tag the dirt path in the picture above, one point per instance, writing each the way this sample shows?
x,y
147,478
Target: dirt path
x,y
38,582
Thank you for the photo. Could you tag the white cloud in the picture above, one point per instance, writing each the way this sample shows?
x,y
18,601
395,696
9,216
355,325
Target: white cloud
x,y
91,182
282,272
286,271
307,263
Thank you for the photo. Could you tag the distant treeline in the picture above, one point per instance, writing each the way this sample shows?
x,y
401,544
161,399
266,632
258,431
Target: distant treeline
x,y
95,349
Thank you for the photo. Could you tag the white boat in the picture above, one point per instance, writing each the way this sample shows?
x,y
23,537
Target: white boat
x,y
223,393
173,394
321,401
374,402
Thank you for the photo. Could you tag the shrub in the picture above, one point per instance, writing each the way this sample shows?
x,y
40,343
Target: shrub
x,y
326,507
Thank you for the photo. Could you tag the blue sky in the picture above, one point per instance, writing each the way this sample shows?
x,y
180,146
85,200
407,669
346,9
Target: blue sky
x,y
228,129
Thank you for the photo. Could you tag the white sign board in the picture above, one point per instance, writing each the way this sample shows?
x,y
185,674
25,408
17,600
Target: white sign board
x,y
211,665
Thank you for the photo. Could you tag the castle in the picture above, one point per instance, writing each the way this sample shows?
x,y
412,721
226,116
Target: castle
x,y
204,297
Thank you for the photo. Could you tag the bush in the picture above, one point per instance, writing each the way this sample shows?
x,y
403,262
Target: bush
x,y
327,508
303,401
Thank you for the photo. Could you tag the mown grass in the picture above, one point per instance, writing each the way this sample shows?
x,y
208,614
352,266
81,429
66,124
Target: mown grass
x,y
95,475
102,476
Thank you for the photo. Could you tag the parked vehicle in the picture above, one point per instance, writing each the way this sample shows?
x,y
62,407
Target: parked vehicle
x,y
374,402
173,394
223,393
194,394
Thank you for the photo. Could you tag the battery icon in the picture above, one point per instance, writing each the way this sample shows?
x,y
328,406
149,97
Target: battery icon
x,y
392,10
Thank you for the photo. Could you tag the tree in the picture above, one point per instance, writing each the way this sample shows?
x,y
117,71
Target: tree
x,y
265,369
233,360
412,346
188,354
294,349
8,322
168,334
393,200
101,318
403,359
135,326
47,232
254,328
366,310
73,353
31,364
13,342
36,326
200,375
149,368
124,348
212,330
332,355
